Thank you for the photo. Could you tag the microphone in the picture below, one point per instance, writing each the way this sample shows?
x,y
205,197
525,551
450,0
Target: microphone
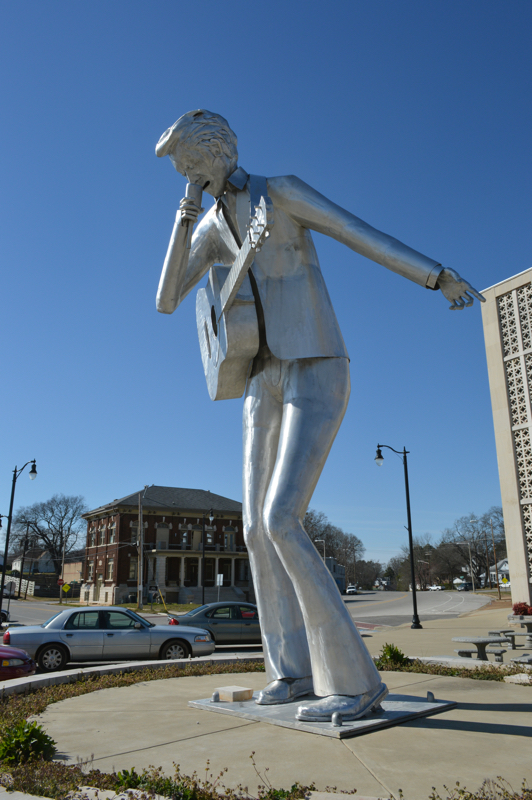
x,y
193,192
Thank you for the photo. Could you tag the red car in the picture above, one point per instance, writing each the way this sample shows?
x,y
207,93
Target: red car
x,y
15,663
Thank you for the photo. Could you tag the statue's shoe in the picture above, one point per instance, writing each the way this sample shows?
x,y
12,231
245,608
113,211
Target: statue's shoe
x,y
284,691
349,707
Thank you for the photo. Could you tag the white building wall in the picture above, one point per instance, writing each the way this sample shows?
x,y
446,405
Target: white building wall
x,y
507,320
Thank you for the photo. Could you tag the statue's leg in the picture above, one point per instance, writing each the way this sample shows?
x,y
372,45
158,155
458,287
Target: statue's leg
x,y
315,396
286,653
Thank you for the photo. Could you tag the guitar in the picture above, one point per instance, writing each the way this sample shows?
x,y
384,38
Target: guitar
x,y
228,330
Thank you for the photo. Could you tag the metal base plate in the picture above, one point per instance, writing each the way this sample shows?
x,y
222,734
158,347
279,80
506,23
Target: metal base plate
x,y
397,708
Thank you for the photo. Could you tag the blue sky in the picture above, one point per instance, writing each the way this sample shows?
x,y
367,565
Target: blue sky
x,y
414,115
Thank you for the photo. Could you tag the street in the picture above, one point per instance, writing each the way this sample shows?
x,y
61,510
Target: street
x,y
375,608
395,608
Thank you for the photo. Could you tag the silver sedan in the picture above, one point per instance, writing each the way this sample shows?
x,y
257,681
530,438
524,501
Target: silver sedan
x,y
105,634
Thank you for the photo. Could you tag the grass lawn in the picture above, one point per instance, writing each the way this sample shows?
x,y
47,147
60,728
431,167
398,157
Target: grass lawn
x,y
158,608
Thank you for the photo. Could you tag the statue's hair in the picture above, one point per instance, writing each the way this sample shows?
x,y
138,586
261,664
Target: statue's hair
x,y
198,130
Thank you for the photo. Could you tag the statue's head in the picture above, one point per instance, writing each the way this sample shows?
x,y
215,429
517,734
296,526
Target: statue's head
x,y
203,148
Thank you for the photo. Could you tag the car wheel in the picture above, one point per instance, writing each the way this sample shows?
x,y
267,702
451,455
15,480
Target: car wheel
x,y
52,657
175,648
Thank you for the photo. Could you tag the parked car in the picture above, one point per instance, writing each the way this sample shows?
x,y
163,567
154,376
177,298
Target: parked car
x,y
105,634
465,587
228,623
351,589
435,588
4,617
15,663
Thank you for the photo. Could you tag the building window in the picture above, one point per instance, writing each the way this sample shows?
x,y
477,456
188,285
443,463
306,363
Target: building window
x,y
92,538
184,537
102,536
112,533
90,575
134,528
110,568
133,569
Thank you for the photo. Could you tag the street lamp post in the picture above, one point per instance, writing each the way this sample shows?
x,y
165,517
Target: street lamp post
x,y
16,473
211,518
470,562
378,460
321,541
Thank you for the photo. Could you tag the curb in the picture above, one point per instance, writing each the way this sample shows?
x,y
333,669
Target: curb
x,y
23,685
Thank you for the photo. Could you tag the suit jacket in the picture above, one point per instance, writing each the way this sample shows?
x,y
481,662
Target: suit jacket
x,y
299,318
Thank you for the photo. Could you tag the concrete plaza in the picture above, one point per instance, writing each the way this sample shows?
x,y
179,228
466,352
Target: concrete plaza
x,y
486,735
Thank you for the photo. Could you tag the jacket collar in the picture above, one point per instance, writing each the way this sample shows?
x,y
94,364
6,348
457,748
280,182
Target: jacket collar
x,y
239,178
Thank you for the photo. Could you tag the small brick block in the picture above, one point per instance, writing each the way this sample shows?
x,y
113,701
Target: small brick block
x,y
234,694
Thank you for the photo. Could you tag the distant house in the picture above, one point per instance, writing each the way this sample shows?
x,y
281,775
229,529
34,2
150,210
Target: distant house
x,y
172,563
502,570
35,560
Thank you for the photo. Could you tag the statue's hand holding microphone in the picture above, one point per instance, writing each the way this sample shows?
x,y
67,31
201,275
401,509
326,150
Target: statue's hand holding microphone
x,y
190,207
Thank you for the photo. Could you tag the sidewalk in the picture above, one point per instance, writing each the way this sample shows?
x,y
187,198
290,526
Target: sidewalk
x,y
486,735
435,639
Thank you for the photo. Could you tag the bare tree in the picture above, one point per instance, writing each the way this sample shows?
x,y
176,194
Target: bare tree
x,y
367,573
55,524
450,558
346,548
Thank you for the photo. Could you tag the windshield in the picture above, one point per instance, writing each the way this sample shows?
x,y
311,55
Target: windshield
x,y
50,620
140,619
194,611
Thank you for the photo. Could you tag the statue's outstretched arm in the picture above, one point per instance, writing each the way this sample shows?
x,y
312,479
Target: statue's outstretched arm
x,y
183,268
315,211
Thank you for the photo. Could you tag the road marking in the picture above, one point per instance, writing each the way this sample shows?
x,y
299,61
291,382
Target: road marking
x,y
381,602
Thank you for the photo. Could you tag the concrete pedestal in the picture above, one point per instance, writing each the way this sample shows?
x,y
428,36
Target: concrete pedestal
x,y
397,708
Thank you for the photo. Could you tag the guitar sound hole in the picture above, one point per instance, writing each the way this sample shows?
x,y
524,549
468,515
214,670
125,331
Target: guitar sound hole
x,y
213,320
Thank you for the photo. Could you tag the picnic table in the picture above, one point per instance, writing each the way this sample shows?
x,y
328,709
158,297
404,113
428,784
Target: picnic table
x,y
481,642
526,622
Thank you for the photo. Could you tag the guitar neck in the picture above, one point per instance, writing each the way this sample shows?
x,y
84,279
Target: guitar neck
x,y
238,272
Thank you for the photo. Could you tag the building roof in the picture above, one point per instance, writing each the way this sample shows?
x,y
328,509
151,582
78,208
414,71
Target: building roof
x,y
159,498
34,553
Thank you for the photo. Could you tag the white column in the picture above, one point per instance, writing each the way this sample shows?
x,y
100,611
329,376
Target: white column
x,y
233,562
161,571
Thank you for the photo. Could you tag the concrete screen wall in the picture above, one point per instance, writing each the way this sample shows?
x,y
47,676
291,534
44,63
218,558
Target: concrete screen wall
x,y
507,320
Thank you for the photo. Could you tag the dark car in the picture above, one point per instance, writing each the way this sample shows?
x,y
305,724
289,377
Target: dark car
x,y
15,663
105,634
228,623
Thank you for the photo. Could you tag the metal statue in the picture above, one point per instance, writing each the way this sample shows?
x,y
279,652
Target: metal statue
x,y
267,328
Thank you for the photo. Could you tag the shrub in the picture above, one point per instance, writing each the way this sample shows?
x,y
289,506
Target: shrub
x,y
391,656
522,609
26,741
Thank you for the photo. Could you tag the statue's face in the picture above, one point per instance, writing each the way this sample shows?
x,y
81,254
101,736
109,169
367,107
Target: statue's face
x,y
208,171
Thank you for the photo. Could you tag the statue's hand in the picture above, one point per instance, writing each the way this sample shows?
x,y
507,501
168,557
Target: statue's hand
x,y
189,210
459,292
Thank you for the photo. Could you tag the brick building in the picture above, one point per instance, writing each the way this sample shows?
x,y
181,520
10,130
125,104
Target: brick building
x,y
173,525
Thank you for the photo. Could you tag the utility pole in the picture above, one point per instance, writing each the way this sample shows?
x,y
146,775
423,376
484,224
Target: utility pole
x,y
495,558
488,573
24,548
62,572
140,547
